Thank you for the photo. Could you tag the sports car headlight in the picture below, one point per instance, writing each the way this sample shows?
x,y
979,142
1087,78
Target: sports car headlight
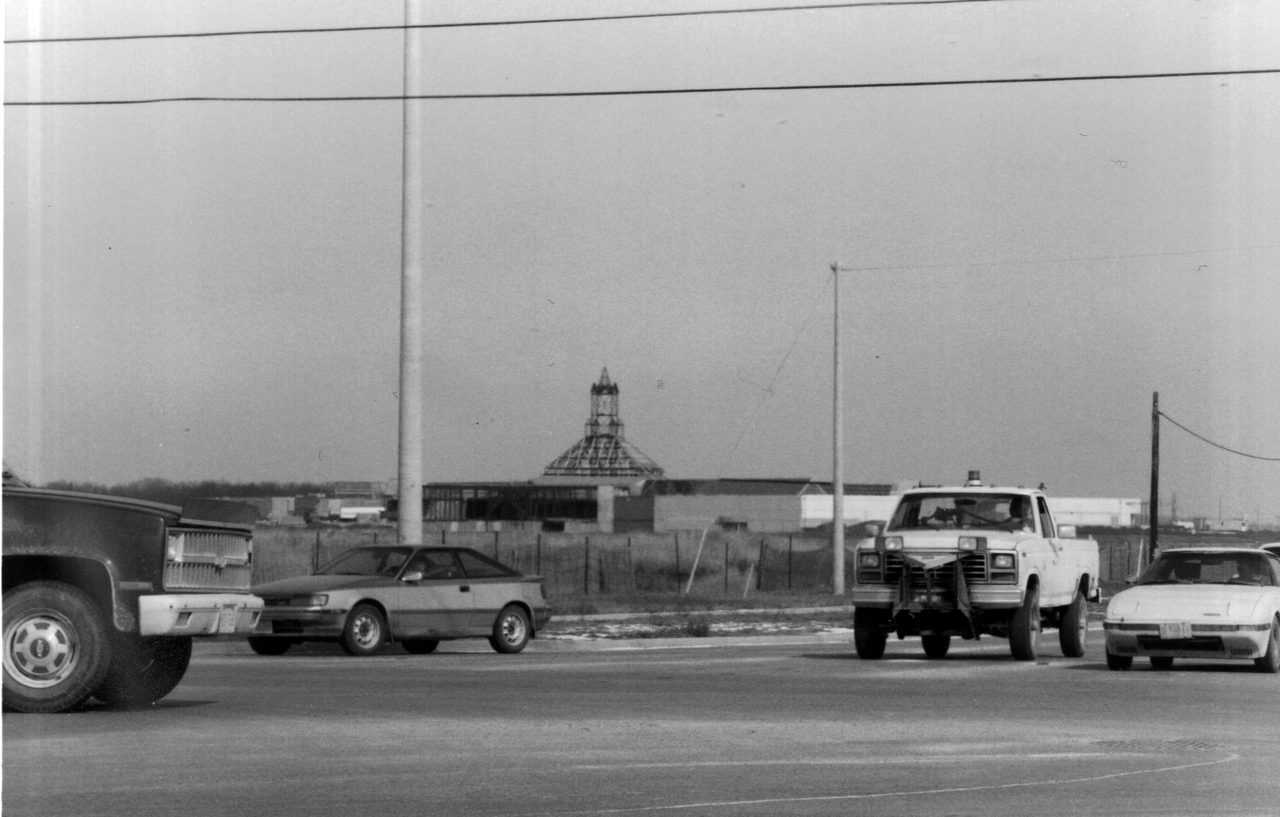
x,y
868,560
314,600
893,543
1002,561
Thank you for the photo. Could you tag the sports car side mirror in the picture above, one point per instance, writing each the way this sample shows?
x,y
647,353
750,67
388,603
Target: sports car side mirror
x,y
412,576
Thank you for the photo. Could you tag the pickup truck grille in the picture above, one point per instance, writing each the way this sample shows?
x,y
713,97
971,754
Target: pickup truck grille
x,y
973,564
198,560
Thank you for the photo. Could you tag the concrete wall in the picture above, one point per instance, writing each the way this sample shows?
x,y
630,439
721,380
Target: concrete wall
x,y
817,510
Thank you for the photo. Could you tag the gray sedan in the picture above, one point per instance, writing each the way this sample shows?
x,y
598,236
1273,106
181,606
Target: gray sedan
x,y
370,596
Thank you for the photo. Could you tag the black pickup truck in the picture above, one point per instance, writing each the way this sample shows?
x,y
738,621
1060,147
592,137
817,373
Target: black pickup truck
x,y
103,596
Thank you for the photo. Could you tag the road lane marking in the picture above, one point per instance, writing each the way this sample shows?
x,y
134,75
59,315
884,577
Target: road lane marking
x,y
835,798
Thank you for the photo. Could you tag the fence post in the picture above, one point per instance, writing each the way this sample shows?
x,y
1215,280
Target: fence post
x,y
537,555
789,543
586,565
315,554
677,541
760,567
726,567
631,565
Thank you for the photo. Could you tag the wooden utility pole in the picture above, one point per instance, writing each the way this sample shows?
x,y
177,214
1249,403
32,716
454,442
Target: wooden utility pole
x,y
411,210
1153,545
837,468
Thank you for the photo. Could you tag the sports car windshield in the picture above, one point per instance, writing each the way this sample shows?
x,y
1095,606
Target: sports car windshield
x,y
945,511
372,561
1175,567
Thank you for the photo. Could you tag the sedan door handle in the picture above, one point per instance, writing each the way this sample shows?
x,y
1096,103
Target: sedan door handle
x,y
466,588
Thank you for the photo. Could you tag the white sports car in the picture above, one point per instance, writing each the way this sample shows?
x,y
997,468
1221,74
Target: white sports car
x,y
1199,603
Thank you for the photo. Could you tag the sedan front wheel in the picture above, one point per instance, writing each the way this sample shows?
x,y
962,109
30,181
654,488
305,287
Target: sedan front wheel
x,y
366,631
511,630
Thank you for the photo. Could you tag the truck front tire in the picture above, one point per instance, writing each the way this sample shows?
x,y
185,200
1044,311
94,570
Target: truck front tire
x,y
1024,630
56,650
143,670
869,635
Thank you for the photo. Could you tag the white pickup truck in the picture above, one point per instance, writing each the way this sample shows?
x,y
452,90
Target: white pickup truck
x,y
971,561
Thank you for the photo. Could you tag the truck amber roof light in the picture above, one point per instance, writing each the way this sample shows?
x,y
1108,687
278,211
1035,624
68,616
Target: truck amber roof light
x,y
974,481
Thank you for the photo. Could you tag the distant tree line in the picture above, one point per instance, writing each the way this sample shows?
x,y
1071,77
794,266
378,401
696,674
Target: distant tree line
x,y
177,493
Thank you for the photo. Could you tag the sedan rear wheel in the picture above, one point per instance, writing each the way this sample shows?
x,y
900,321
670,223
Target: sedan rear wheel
x,y
511,630
366,631
1270,660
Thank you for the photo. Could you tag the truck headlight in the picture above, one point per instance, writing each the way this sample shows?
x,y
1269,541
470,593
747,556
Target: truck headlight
x,y
968,543
868,560
893,543
1002,561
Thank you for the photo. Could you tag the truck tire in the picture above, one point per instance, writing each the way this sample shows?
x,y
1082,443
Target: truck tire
x,y
510,631
869,635
143,670
936,646
420,646
266,645
1073,627
365,631
56,649
1118,662
1024,630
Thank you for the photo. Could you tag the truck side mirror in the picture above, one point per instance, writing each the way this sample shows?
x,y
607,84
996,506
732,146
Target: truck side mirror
x,y
1066,531
873,530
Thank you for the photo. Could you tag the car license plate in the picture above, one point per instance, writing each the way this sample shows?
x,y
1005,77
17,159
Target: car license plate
x,y
227,619
1176,629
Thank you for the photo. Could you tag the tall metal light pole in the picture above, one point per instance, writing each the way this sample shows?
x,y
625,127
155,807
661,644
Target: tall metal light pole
x,y
411,209
1153,541
837,470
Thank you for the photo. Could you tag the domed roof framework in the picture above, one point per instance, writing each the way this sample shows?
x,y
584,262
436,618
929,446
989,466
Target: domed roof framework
x,y
603,451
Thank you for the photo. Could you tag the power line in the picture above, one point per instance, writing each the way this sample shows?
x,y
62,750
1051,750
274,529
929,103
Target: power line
x,y
1216,445
767,391
653,91
493,23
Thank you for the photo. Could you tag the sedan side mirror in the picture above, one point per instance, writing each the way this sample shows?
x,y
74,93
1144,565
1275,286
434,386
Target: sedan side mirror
x,y
412,576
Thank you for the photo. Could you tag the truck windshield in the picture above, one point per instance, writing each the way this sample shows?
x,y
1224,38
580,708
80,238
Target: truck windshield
x,y
1008,512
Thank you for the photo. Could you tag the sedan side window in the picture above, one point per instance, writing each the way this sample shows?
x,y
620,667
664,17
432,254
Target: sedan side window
x,y
435,566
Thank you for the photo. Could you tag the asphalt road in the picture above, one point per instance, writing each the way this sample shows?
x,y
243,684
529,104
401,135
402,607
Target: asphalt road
x,y
753,729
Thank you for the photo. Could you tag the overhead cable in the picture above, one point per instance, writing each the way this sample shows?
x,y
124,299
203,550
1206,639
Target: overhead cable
x,y
651,91
493,23
1216,445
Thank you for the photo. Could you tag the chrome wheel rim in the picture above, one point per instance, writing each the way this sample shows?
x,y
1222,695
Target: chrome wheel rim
x,y
513,629
40,650
366,632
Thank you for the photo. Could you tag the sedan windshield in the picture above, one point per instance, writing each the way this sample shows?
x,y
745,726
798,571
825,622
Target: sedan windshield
x,y
1008,512
1181,567
370,561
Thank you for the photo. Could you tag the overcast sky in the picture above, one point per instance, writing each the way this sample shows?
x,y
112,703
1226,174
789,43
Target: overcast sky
x,y
210,289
